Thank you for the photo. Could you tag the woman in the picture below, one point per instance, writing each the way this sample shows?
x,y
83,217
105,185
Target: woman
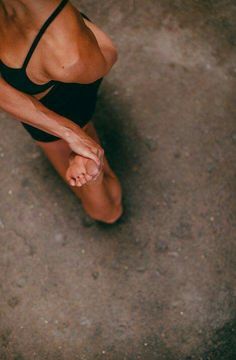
x,y
52,62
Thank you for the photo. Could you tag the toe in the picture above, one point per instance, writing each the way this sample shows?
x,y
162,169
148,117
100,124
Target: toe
x,y
82,179
78,183
72,182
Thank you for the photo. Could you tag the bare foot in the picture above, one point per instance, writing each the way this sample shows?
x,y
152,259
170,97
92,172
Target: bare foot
x,y
82,170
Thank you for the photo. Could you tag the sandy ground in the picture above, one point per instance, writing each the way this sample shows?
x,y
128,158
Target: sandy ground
x,y
160,284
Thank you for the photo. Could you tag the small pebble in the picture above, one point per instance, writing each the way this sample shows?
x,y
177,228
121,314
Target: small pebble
x,y
151,144
13,302
135,168
25,182
177,155
82,251
141,268
2,226
60,239
35,155
10,192
21,282
173,254
141,242
115,265
234,137
210,168
161,246
88,221
158,273
95,275
85,322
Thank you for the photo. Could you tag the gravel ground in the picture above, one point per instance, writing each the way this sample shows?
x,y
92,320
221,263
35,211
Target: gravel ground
x,y
160,284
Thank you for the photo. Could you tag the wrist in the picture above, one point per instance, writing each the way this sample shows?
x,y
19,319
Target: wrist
x,y
71,134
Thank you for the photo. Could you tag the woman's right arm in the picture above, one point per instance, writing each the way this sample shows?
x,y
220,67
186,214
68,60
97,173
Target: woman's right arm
x,y
31,111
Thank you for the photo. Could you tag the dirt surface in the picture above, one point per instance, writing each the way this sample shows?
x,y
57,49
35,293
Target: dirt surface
x,y
160,284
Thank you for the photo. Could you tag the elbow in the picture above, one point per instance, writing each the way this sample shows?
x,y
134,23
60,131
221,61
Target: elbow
x,y
115,55
110,55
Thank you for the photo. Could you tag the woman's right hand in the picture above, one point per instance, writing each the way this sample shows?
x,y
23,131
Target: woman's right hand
x,y
82,144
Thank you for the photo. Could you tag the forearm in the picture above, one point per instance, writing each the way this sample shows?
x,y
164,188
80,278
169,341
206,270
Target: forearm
x,y
29,110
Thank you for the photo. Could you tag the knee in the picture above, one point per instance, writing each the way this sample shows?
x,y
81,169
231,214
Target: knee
x,y
108,217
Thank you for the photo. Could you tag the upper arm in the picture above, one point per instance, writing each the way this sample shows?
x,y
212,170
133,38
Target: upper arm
x,y
15,102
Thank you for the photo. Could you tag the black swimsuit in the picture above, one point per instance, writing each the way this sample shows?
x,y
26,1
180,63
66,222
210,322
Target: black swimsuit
x,y
74,101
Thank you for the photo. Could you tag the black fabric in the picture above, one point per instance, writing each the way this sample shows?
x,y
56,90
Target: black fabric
x,y
76,102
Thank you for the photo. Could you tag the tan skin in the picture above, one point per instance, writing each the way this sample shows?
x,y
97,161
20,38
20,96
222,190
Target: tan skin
x,y
78,156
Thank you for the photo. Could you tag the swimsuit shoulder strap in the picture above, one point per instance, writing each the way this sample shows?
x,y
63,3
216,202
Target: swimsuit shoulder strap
x,y
42,31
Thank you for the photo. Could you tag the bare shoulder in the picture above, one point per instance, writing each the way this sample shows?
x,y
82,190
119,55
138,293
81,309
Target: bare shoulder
x,y
64,39
76,47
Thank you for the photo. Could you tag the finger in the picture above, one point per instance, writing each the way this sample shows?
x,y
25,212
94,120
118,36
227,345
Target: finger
x,y
91,155
97,176
88,177
99,153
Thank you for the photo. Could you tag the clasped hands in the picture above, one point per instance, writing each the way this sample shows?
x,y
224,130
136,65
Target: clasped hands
x,y
83,170
86,160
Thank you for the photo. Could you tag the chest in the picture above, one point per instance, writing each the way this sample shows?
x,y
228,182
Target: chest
x,y
27,57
